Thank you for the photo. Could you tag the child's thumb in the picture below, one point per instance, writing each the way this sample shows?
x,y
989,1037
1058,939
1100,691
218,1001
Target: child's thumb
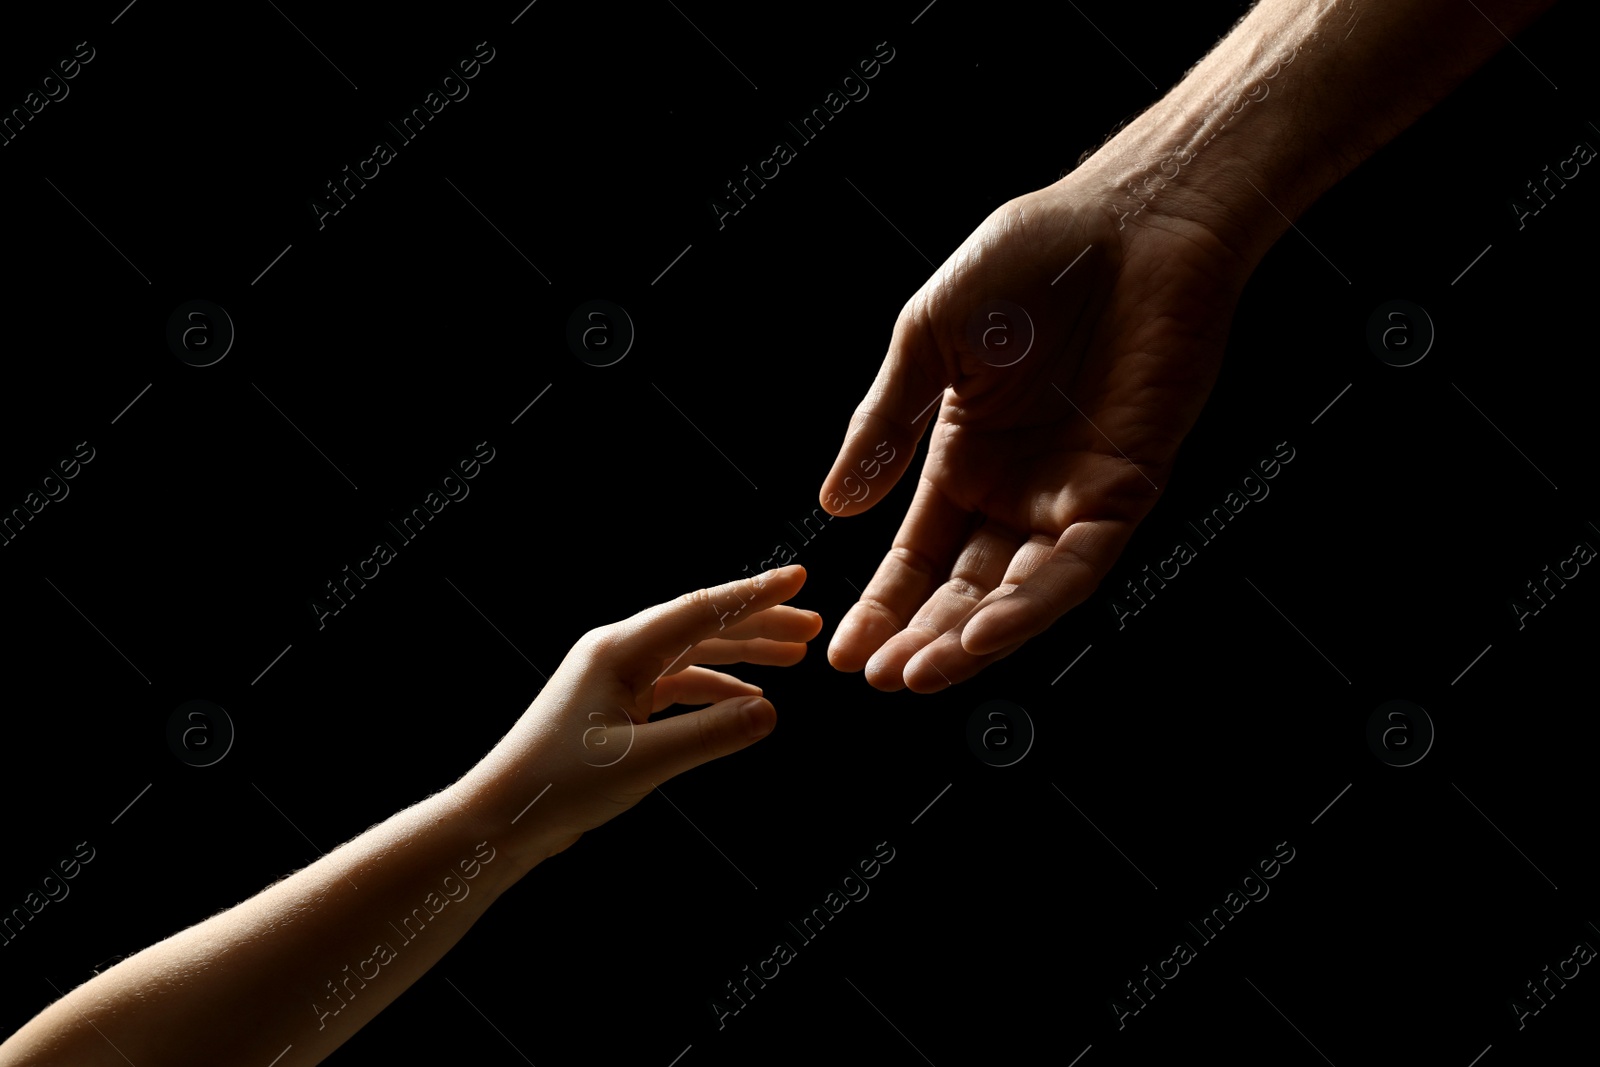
x,y
671,746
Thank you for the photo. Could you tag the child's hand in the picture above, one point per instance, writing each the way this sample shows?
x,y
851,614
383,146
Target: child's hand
x,y
585,750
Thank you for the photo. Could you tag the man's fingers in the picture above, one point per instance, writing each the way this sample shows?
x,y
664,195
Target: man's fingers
x,y
977,571
683,742
1067,577
919,561
936,661
944,663
889,422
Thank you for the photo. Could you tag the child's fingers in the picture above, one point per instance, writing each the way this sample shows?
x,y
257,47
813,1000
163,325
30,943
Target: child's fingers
x,y
775,637
781,623
683,742
696,685
665,632
756,650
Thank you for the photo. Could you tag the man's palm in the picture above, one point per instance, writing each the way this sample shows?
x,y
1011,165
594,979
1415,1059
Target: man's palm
x,y
1069,357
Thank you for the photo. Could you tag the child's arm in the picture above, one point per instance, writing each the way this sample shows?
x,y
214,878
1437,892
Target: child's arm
x,y
308,961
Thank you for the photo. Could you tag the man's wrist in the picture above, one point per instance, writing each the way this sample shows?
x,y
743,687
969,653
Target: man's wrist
x,y
1293,99
1223,151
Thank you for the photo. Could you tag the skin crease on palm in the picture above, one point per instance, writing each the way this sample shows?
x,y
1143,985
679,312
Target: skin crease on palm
x,y
1037,472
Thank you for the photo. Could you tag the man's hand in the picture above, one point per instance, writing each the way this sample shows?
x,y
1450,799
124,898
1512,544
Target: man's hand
x,y
1041,464
1062,357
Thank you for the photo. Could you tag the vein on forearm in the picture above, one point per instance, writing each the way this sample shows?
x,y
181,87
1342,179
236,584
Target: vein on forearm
x,y
1296,95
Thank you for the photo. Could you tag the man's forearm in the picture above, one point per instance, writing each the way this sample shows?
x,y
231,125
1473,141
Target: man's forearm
x,y
304,963
1292,100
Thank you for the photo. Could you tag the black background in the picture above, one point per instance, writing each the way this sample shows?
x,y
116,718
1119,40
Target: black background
x,y
1214,726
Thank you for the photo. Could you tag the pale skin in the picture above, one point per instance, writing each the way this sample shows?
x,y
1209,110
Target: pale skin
x,y
1133,334
1038,471
243,985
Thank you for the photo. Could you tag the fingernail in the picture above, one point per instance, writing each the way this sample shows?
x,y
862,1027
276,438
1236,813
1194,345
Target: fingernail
x,y
757,717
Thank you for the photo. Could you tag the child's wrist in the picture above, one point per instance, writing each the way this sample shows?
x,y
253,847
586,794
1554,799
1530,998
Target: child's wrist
x,y
502,808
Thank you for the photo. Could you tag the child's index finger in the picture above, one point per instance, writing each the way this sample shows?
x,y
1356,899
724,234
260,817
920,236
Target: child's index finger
x,y
667,629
